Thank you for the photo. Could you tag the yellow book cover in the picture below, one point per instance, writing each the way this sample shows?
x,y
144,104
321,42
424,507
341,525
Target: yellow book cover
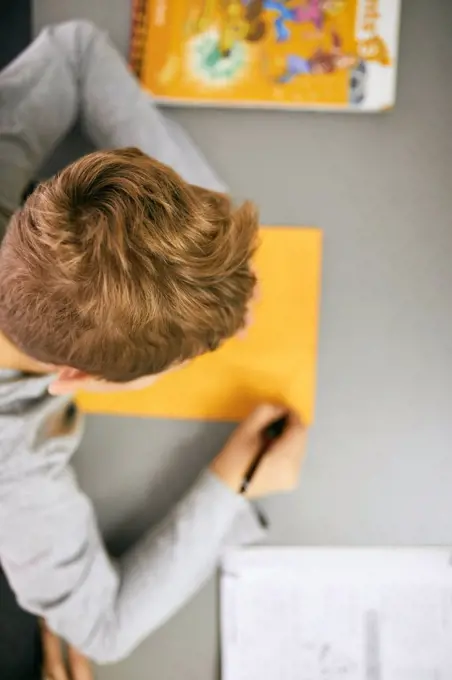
x,y
275,361
314,54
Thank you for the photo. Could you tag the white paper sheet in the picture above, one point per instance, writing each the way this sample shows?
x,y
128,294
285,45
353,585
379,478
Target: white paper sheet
x,y
337,614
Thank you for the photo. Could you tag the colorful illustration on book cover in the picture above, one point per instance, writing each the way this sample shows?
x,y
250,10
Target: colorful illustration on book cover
x,y
261,50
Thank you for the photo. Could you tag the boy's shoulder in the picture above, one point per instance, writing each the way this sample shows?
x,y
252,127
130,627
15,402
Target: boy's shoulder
x,y
30,417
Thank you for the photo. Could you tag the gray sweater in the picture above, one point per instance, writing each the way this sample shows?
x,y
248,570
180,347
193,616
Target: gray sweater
x,y
50,547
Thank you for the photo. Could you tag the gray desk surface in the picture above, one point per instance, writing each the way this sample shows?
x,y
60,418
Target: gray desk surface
x,y
379,469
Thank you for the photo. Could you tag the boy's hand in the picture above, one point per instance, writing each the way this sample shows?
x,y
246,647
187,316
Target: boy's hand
x,y
279,469
55,667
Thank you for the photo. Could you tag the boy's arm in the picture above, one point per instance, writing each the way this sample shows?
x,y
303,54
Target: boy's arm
x,y
50,546
72,69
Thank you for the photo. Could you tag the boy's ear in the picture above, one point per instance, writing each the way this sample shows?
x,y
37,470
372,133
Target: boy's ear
x,y
68,380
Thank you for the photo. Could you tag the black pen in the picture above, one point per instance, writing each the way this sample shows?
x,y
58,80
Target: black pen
x,y
271,432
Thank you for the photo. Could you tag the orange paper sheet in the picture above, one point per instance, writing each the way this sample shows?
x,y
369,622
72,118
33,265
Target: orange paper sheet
x,y
275,362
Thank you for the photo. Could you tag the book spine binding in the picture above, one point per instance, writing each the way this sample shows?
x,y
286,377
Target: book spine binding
x,y
138,35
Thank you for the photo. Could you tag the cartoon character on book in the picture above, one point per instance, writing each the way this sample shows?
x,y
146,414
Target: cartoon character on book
x,y
242,21
321,62
238,20
223,28
312,11
222,32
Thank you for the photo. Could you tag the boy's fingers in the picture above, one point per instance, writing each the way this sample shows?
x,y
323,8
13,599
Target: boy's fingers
x,y
54,667
80,666
293,420
264,415
293,438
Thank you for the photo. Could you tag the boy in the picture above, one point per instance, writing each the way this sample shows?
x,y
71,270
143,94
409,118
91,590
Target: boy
x,y
113,272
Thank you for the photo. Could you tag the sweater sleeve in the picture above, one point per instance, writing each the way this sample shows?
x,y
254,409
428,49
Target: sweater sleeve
x,y
51,549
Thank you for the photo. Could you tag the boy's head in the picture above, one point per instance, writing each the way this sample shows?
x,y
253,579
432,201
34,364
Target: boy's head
x,y
117,269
